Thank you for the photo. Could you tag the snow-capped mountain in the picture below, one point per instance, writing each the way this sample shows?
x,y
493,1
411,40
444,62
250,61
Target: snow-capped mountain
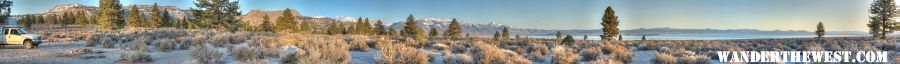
x,y
442,24
345,18
173,11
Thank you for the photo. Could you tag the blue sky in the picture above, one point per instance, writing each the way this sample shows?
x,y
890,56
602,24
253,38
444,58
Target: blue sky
x,y
838,15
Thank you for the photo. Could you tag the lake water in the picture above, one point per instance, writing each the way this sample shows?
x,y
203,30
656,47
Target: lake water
x,y
698,36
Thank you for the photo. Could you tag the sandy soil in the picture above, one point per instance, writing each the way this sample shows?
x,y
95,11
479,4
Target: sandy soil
x,y
54,53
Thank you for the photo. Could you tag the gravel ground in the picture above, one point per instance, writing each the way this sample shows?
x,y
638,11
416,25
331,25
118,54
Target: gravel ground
x,y
54,53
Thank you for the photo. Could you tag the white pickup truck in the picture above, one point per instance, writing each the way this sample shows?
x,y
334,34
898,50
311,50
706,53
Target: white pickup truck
x,y
18,36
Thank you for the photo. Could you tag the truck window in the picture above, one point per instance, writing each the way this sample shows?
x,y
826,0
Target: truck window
x,y
13,31
6,32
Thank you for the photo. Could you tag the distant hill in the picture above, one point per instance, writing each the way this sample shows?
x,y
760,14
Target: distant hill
x,y
173,11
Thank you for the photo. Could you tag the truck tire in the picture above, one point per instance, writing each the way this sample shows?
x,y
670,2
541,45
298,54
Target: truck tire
x,y
29,45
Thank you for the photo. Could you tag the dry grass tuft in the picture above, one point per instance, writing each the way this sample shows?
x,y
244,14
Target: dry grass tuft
x,y
491,54
247,54
663,58
400,54
564,55
165,44
204,55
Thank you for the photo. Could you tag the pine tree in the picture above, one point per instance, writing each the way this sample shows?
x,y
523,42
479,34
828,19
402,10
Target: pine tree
x,y
881,20
643,37
412,30
5,9
585,37
29,20
135,17
266,26
305,25
216,13
109,15
620,38
67,18
497,35
166,19
155,17
454,30
334,28
379,28
81,18
610,24
558,35
392,32
287,22
433,32
366,27
568,40
505,33
517,36
820,30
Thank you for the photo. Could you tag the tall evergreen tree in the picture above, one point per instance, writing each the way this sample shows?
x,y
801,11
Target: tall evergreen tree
x,y
216,13
585,37
155,17
166,19
81,18
620,38
505,33
643,37
266,26
287,22
412,30
379,28
610,24
454,30
820,30
334,28
67,18
433,32
497,35
392,32
5,9
558,35
135,17
29,20
305,25
569,40
109,16
881,20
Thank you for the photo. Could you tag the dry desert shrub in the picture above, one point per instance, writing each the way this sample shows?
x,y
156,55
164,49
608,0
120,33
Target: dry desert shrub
x,y
135,57
537,51
458,59
204,55
358,43
184,43
695,59
320,49
92,40
592,53
490,54
139,44
247,54
663,58
618,52
564,55
165,44
107,42
400,54
606,61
